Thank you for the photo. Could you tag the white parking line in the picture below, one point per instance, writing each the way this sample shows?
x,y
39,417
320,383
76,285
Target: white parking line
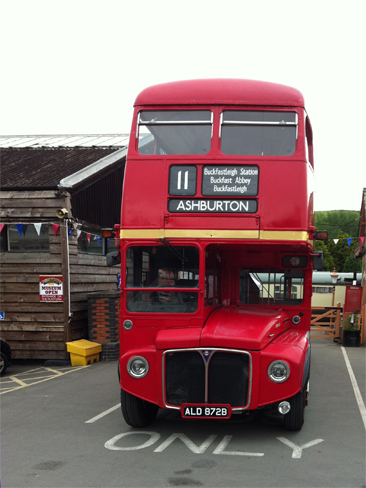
x,y
106,412
356,389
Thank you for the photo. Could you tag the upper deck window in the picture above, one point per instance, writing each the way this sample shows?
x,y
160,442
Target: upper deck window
x,y
161,132
258,133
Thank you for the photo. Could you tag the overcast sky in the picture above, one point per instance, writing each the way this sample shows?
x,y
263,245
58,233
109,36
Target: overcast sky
x,y
76,67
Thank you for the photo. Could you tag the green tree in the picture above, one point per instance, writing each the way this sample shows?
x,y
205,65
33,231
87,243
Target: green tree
x,y
352,265
341,250
328,259
335,221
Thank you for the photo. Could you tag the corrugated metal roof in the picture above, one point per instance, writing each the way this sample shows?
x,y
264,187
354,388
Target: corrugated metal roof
x,y
65,140
35,162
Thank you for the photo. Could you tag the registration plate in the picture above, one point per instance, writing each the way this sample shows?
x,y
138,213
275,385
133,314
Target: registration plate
x,y
205,411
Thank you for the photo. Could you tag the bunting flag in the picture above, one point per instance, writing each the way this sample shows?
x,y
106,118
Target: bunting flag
x,y
55,228
38,228
88,236
70,232
349,241
20,229
335,241
362,239
78,232
1,227
108,241
98,240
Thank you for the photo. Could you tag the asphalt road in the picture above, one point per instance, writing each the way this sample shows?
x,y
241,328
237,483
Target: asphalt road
x,y
62,427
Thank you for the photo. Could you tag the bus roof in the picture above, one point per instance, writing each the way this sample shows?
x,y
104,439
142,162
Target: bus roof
x,y
222,92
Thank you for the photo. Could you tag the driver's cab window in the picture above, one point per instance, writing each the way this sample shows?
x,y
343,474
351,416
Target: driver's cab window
x,y
271,286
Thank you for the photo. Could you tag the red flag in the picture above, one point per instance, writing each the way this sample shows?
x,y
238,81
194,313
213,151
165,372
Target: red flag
x,y
362,239
88,236
1,227
55,228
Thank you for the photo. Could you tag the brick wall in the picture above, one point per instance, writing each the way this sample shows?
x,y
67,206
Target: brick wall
x,y
103,322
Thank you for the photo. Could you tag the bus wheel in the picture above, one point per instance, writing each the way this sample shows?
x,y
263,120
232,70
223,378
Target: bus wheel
x,y
137,412
294,420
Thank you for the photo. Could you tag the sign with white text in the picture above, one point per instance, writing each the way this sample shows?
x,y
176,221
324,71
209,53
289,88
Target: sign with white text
x,y
238,206
230,181
51,289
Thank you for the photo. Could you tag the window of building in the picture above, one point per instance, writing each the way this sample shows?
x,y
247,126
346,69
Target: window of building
x,y
3,238
89,243
322,289
28,238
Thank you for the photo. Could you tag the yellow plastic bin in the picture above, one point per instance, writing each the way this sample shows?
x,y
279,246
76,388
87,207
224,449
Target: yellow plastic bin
x,y
83,352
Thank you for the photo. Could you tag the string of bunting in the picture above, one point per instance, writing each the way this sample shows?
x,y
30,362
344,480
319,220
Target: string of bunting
x,y
22,229
349,240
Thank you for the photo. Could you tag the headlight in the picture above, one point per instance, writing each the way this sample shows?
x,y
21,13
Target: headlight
x,y
127,324
278,371
138,367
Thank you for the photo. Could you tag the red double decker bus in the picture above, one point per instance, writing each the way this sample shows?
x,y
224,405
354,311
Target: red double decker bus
x,y
216,249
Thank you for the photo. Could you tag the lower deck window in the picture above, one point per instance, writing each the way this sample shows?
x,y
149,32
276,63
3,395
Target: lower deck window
x,y
162,302
271,286
161,269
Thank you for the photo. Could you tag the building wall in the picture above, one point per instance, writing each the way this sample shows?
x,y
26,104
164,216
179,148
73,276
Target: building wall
x,y
325,299
36,329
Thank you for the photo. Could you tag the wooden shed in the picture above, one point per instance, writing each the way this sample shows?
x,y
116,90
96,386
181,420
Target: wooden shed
x,y
56,194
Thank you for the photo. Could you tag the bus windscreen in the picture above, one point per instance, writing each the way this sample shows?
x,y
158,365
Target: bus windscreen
x,y
167,132
258,133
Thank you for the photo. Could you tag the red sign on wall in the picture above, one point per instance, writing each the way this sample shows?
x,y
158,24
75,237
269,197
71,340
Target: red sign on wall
x,y
353,299
51,289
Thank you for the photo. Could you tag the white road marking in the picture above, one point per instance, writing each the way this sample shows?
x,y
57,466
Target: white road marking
x,y
220,449
297,450
356,389
103,414
191,445
154,437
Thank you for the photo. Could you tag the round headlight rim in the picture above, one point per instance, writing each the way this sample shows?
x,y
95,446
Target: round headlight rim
x,y
282,379
127,324
132,373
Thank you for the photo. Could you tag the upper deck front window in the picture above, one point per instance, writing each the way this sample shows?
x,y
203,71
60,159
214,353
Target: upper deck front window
x,y
180,132
258,133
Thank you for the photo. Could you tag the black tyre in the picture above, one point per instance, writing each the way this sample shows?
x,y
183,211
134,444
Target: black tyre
x,y
3,363
294,420
137,412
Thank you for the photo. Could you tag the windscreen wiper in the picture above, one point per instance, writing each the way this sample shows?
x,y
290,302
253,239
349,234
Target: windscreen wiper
x,y
174,250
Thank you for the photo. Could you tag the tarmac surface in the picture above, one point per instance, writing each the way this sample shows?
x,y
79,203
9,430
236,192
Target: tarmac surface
x,y
61,426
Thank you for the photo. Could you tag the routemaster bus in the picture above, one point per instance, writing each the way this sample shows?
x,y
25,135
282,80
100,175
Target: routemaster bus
x,y
216,248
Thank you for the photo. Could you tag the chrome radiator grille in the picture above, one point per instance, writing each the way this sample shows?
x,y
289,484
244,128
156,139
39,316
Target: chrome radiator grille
x,y
216,376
